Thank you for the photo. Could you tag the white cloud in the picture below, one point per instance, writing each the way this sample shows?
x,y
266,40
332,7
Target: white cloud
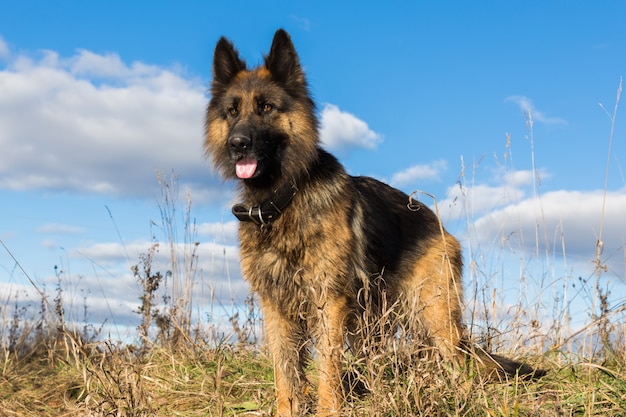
x,y
574,216
528,108
418,173
215,275
4,49
481,197
91,123
225,232
507,213
60,228
476,199
340,130
519,178
89,64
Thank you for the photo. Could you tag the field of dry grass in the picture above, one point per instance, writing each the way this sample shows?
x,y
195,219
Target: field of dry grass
x,y
54,371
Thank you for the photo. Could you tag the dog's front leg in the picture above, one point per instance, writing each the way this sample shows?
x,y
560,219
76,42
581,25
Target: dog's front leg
x,y
288,347
330,345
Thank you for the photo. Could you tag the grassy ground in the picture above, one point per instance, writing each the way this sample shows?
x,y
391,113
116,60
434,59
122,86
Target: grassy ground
x,y
61,374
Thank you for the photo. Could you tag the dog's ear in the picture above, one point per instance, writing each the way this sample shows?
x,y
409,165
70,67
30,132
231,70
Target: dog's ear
x,y
226,63
282,62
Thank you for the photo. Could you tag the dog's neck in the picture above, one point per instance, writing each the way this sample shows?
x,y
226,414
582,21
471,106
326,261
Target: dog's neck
x,y
268,211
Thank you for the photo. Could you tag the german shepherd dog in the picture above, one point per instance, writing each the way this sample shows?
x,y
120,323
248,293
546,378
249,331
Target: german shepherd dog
x,y
320,247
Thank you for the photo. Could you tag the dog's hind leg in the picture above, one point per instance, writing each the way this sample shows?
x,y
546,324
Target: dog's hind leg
x,y
441,315
434,294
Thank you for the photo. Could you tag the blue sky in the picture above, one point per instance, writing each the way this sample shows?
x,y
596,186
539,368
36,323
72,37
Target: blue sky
x,y
431,96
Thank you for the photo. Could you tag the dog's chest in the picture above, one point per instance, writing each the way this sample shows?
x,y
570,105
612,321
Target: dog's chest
x,y
291,270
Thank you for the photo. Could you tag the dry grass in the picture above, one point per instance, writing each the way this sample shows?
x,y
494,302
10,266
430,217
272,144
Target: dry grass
x,y
100,379
67,376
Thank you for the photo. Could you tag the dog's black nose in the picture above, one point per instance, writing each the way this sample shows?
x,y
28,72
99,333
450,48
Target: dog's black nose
x,y
239,142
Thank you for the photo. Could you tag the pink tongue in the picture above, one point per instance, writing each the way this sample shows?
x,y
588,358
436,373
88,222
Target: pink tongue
x,y
245,167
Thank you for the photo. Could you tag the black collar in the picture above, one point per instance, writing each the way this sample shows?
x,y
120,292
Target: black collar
x,y
268,211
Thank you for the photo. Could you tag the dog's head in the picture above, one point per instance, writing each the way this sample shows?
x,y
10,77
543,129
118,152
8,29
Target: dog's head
x,y
260,125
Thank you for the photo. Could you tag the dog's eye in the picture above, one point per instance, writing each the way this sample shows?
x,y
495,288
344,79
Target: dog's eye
x,y
233,112
267,107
